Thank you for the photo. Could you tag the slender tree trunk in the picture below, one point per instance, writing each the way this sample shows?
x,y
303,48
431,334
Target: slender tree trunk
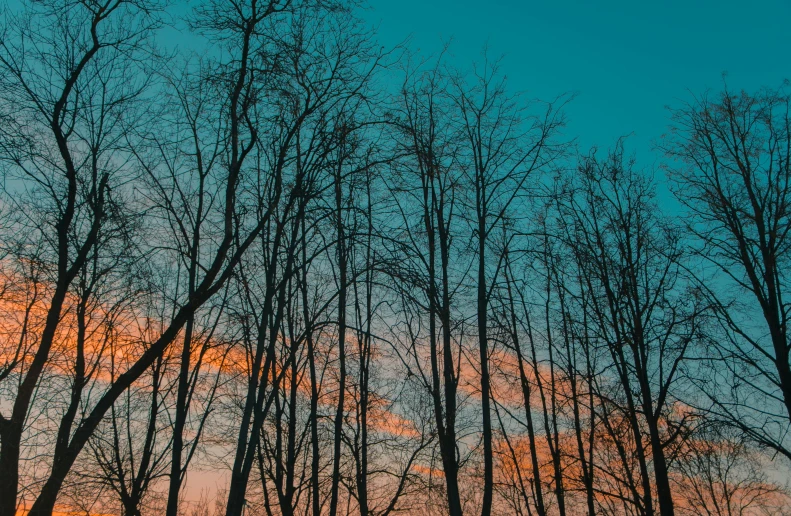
x,y
315,489
435,206
342,292
525,383
364,341
663,492
483,342
585,462
174,487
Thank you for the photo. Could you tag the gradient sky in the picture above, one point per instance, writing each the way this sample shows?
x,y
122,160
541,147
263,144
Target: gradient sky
x,y
626,60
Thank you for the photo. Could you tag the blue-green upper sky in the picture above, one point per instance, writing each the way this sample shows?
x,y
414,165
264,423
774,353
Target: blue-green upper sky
x,y
627,60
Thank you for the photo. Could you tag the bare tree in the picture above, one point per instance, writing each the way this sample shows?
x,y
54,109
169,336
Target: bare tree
x,y
425,204
81,24
73,76
733,176
721,474
641,308
130,456
503,146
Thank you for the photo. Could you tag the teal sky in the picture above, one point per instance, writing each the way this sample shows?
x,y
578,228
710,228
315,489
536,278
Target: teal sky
x,y
626,60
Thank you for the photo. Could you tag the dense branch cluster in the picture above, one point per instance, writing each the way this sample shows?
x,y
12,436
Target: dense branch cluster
x,y
299,273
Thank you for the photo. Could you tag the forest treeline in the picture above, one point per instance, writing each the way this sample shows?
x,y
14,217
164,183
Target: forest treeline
x,y
289,271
